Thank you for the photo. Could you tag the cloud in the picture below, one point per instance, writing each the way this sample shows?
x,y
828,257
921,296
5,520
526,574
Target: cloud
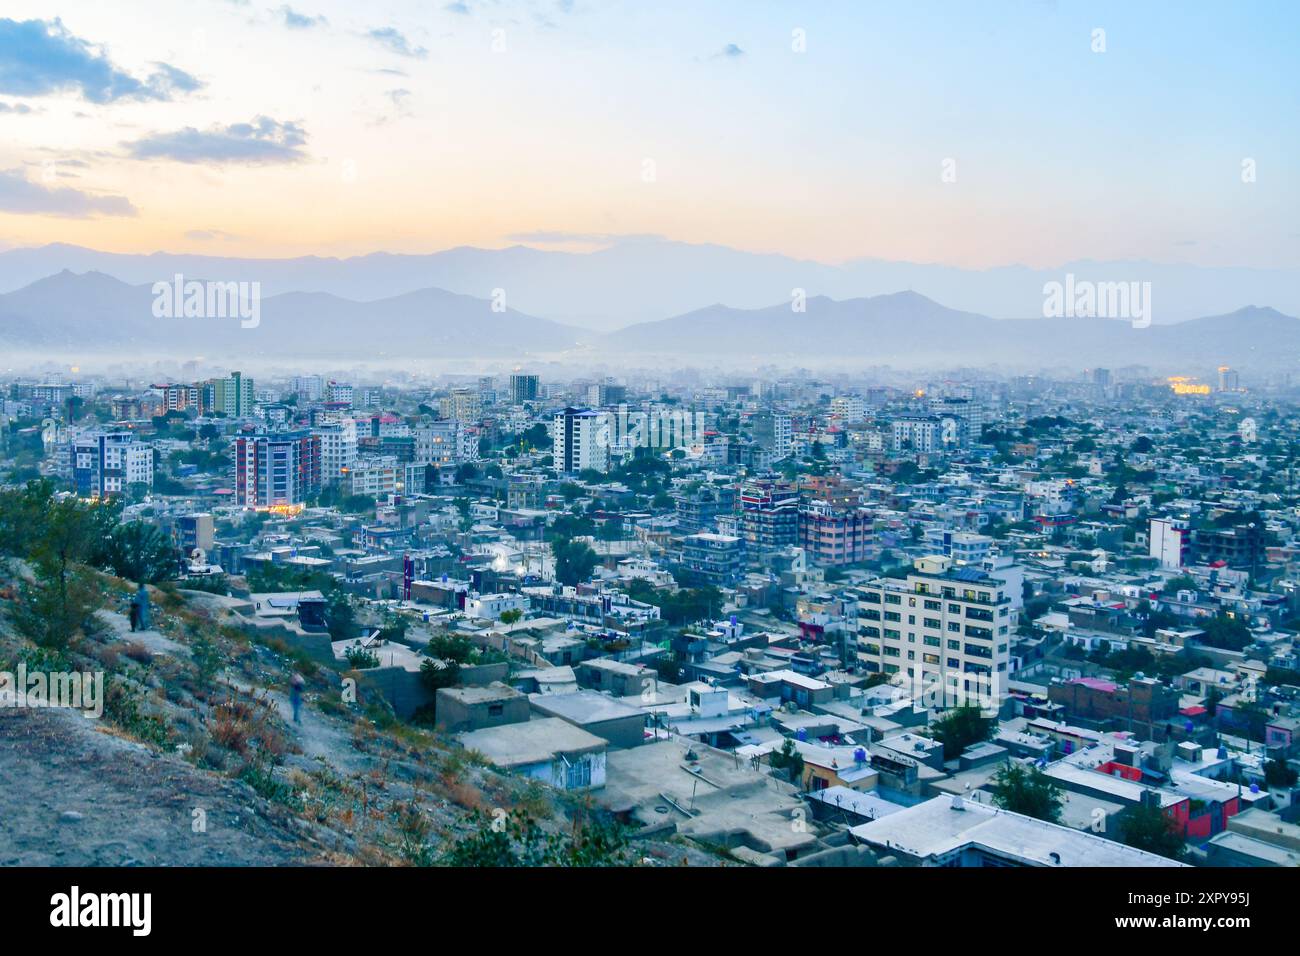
x,y
458,7
397,42
19,195
263,142
543,237
300,21
207,235
40,57
731,50
22,109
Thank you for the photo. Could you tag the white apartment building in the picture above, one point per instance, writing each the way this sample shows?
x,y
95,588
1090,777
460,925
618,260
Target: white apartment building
x,y
940,626
1169,540
339,393
309,388
917,434
376,476
463,404
580,440
849,408
338,449
445,442
102,464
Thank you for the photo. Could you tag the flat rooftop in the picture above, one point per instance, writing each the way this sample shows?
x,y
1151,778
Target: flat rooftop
x,y
712,797
584,707
936,828
531,742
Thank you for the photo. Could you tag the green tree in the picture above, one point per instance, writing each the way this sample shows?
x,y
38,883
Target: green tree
x,y
141,553
1028,790
574,561
55,611
340,618
1149,828
788,762
961,727
1277,773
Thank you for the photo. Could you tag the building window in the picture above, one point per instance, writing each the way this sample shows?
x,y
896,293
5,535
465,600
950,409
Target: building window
x,y
578,774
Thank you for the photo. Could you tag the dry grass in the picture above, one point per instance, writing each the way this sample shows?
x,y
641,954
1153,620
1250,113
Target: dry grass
x,y
137,652
239,722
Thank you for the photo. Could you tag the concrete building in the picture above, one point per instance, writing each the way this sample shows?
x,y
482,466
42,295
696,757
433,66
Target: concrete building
x,y
277,470
769,518
464,709
580,441
598,714
547,749
376,477
338,450
102,464
523,388
832,535
939,627
958,832
1169,540
716,559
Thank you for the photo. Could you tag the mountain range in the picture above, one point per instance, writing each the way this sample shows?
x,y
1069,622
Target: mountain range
x,y
94,315
642,280
74,315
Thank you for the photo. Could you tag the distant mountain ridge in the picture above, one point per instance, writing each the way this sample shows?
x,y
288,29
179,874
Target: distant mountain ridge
x,y
70,315
640,280
95,314
908,330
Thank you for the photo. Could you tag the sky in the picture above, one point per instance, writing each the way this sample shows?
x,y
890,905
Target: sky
x,y
970,134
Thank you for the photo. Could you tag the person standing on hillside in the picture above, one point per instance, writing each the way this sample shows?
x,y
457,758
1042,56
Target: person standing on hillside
x,y
295,696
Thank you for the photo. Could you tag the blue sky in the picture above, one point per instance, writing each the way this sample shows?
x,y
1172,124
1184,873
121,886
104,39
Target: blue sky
x,y
335,128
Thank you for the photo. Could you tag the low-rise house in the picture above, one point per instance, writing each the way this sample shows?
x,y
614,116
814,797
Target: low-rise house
x,y
547,749
463,709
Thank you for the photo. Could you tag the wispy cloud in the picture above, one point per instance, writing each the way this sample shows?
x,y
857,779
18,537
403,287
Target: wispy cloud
x,y
263,142
299,21
21,109
544,237
397,42
731,50
41,57
458,7
208,235
20,195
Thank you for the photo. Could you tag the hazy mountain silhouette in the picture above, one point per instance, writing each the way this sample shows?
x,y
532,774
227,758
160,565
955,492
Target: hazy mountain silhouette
x,y
96,314
639,280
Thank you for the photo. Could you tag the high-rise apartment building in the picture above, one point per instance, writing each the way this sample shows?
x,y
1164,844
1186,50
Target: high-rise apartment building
x,y
102,464
523,388
277,471
769,516
1170,540
938,627
231,396
580,440
338,449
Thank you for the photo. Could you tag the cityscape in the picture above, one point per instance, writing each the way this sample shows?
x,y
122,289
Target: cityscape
x,y
637,520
